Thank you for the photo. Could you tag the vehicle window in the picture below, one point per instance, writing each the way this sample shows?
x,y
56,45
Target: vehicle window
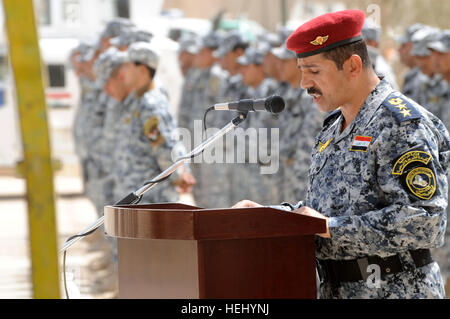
x,y
56,75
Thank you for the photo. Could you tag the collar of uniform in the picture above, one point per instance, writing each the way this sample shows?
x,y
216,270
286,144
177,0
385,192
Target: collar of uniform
x,y
435,80
140,92
412,73
129,99
365,114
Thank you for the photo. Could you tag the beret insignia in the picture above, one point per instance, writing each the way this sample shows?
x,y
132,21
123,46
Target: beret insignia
x,y
320,40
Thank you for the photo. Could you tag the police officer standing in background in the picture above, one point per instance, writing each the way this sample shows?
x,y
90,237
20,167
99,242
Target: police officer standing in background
x,y
413,79
146,145
440,49
432,87
371,33
378,172
206,91
187,55
300,122
258,185
231,48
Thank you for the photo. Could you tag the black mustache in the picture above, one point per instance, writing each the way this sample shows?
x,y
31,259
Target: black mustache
x,y
314,91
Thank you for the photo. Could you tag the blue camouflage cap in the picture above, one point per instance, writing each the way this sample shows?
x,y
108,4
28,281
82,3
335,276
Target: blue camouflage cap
x,y
230,41
421,39
273,39
145,53
284,33
251,56
407,36
283,53
107,62
115,26
83,48
371,30
211,40
442,43
130,35
87,50
190,44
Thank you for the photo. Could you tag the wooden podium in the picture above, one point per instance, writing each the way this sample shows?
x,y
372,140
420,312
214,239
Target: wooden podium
x,y
185,252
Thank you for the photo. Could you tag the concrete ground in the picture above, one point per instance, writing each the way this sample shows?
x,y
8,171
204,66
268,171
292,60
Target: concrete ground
x,y
88,261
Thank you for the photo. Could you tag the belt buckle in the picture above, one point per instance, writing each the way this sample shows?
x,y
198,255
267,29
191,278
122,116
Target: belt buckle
x,y
363,264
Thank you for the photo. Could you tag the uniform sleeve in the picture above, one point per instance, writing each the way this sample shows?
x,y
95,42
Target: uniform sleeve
x,y
287,206
413,213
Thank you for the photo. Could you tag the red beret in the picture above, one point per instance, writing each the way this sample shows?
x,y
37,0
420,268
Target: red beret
x,y
327,32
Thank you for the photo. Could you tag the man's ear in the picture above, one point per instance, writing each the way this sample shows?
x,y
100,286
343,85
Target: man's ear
x,y
353,66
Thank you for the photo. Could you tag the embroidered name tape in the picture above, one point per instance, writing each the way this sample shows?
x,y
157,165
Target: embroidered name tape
x,y
361,143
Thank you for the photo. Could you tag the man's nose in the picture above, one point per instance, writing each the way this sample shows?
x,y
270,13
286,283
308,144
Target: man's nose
x,y
306,82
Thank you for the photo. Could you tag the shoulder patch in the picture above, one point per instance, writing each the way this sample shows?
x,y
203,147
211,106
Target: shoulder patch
x,y
331,117
416,174
403,109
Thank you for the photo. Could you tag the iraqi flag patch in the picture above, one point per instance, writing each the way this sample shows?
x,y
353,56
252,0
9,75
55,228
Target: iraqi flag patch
x,y
361,143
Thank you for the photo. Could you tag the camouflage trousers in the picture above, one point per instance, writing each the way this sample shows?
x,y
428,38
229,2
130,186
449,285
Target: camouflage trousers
x,y
213,185
442,254
420,283
262,188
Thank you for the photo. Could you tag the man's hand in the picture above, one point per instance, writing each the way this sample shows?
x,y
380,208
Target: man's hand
x,y
185,182
304,210
246,204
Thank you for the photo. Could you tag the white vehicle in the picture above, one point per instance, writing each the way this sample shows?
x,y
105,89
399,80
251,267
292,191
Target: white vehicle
x,y
61,82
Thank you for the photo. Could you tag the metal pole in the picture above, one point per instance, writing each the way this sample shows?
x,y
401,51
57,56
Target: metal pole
x,y
26,65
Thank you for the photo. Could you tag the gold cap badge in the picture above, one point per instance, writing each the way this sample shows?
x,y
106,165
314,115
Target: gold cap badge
x,y
320,40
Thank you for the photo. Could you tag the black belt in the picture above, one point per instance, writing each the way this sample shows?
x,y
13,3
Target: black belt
x,y
337,271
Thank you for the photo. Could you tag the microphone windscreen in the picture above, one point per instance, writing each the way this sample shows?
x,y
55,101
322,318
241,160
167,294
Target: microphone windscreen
x,y
275,104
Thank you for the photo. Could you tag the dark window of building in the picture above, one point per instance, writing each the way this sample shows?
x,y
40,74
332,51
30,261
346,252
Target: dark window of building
x,y
123,8
56,75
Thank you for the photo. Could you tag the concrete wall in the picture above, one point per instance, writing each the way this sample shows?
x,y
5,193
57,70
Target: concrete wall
x,y
265,12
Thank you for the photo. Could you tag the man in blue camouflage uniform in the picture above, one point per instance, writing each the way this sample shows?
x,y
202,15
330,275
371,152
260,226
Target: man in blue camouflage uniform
x,y
430,90
104,66
81,55
113,29
300,122
146,145
188,50
441,54
371,33
231,48
378,172
413,79
127,36
259,185
89,123
210,179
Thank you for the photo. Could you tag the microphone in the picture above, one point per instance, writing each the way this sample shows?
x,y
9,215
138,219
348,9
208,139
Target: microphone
x,y
273,104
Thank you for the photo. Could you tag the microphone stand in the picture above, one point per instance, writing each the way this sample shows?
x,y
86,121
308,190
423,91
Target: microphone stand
x,y
134,197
